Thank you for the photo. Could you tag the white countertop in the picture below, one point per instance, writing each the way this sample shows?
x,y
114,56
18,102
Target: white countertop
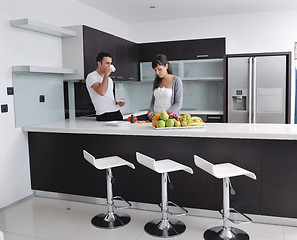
x,y
85,125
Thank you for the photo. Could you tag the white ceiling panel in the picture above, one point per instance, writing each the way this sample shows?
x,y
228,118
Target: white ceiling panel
x,y
133,11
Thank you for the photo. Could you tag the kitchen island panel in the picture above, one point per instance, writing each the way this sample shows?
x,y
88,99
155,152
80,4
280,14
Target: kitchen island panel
x,y
279,182
57,165
188,190
244,153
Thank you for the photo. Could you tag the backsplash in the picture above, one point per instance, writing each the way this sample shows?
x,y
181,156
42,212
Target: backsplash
x,y
200,95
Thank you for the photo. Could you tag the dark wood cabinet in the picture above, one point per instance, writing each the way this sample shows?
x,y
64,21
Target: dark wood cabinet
x,y
147,51
279,193
124,53
119,58
91,47
183,50
203,48
132,68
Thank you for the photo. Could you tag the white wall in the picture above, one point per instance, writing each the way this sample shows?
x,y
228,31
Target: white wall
x,y
245,33
23,47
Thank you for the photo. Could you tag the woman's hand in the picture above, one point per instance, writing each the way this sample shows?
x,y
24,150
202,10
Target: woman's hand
x,y
150,114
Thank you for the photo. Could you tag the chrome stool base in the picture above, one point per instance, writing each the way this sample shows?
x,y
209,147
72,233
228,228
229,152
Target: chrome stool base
x,y
165,228
111,220
217,233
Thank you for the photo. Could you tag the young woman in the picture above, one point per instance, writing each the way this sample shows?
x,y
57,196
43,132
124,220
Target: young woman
x,y
167,88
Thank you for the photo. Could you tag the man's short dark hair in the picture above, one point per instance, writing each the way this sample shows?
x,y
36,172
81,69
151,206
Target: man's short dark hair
x,y
101,55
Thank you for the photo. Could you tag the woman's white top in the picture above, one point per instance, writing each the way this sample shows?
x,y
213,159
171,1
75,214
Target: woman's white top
x,y
162,99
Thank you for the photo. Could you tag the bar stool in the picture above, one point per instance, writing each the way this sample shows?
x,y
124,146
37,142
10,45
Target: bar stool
x,y
164,227
225,171
1,236
110,219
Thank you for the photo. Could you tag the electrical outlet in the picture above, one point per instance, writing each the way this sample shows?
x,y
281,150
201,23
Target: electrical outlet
x,y
4,108
41,98
9,90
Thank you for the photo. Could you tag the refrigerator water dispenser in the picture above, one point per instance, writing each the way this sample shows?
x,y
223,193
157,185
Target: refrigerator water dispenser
x,y
239,99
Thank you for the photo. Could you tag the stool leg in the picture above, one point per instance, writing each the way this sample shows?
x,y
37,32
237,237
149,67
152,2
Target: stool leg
x,y
110,219
225,232
110,216
165,227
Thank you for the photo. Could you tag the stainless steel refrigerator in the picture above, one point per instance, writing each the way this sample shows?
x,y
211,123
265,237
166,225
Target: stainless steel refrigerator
x,y
257,88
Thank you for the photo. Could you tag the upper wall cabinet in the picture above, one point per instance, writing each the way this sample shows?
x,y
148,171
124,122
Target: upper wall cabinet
x,y
81,53
184,50
203,48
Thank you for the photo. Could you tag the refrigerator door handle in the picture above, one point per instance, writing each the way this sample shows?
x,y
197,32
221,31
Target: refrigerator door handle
x,y
254,89
250,79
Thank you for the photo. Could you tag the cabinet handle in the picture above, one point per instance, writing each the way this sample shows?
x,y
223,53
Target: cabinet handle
x,y
213,117
202,56
112,77
120,77
131,78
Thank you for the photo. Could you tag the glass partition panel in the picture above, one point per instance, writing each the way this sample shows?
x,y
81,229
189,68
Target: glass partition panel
x,y
28,89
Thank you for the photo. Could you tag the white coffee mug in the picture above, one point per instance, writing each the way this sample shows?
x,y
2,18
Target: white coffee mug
x,y
113,69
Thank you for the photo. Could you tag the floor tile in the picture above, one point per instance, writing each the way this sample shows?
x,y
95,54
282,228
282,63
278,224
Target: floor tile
x,y
52,224
290,233
262,231
131,231
13,236
52,219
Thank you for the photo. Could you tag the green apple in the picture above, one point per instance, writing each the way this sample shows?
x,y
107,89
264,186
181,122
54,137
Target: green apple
x,y
170,122
164,116
160,124
177,123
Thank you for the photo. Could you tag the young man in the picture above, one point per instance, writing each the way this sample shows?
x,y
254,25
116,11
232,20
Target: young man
x,y
100,88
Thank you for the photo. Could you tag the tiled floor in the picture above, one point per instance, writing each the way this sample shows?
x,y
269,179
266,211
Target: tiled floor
x,y
52,219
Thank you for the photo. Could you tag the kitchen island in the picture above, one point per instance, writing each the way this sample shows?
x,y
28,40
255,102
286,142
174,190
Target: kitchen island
x,y
269,150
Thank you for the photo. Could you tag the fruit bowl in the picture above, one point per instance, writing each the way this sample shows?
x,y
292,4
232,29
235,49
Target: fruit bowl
x,y
169,120
186,127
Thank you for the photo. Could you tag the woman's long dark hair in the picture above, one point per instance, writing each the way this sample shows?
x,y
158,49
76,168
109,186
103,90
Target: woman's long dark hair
x,y
160,60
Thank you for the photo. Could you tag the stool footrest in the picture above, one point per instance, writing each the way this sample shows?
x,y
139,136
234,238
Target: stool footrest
x,y
183,210
122,199
242,218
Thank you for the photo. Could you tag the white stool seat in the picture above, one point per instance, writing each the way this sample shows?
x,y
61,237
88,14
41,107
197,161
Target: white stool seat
x,y
109,219
164,227
222,170
225,171
106,162
161,166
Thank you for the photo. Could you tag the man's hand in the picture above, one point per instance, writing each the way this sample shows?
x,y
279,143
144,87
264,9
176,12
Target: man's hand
x,y
108,71
121,103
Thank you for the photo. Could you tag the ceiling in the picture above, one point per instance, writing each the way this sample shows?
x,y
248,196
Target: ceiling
x,y
133,11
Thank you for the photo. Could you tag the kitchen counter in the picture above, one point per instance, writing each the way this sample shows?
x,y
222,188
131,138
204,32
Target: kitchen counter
x,y
269,150
87,125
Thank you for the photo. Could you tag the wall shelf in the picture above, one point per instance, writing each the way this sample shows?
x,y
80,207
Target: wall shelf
x,y
40,69
42,27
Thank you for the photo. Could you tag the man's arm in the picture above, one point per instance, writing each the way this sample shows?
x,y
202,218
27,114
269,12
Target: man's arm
x,y
101,88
